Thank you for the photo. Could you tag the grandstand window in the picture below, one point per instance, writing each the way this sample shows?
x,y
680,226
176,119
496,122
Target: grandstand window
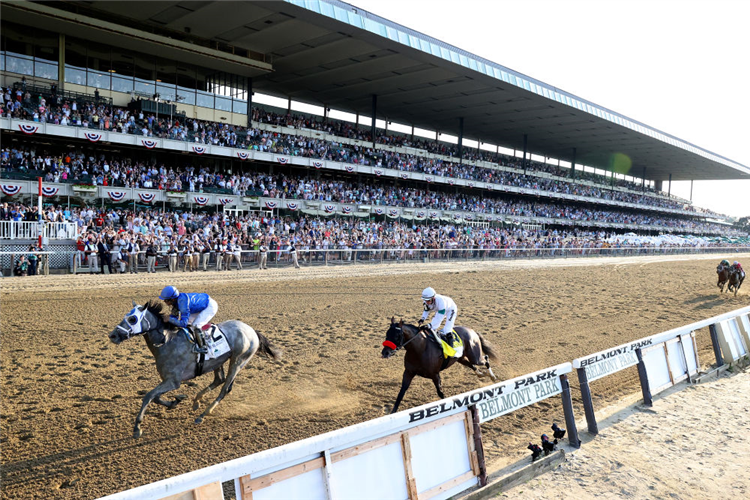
x,y
325,9
45,70
186,95
166,71
454,57
392,33
186,77
355,20
46,46
75,75
145,86
403,38
23,65
371,26
17,40
473,64
223,104
166,92
2,60
122,84
435,49
239,106
98,79
340,14
413,41
123,62
464,60
205,99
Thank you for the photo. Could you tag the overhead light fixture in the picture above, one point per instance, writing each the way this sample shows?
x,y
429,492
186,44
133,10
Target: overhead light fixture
x,y
158,80
112,71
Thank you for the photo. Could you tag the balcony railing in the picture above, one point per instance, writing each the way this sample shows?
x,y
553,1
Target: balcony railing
x,y
24,230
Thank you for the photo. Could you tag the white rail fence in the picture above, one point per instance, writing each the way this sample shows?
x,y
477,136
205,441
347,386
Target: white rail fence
x,y
665,359
25,230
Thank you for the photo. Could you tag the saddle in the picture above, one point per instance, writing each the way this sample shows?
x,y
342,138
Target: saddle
x,y
448,351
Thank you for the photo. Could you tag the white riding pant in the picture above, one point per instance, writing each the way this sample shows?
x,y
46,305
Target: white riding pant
x,y
450,320
204,317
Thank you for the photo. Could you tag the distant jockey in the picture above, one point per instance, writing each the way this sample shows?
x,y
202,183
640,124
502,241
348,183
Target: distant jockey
x,y
194,309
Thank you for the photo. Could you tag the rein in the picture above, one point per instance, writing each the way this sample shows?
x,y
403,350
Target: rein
x,y
404,344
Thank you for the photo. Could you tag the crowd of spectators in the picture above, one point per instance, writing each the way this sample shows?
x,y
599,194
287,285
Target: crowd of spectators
x,y
21,104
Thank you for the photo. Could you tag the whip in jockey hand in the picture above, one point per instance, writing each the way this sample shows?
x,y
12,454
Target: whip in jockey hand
x,y
194,310
444,308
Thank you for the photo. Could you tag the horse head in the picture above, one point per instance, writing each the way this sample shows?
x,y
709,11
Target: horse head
x,y
140,320
394,338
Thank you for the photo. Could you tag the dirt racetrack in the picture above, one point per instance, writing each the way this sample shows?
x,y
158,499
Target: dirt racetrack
x,y
69,396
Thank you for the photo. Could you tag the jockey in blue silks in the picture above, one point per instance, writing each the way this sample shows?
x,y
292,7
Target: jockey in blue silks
x,y
194,309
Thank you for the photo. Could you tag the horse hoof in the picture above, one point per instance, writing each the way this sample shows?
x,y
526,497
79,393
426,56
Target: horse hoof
x,y
137,433
196,405
199,420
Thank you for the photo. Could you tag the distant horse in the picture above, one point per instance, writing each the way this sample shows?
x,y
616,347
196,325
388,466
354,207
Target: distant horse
x,y
425,358
723,272
175,360
735,281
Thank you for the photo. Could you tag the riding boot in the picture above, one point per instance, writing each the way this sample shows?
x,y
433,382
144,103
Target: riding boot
x,y
448,338
437,337
200,341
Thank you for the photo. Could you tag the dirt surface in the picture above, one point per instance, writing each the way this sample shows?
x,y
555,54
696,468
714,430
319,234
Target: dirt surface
x,y
69,396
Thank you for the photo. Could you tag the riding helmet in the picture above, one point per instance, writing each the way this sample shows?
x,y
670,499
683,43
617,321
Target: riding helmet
x,y
428,293
169,292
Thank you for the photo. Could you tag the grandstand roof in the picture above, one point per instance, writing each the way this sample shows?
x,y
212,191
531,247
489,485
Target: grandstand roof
x,y
331,53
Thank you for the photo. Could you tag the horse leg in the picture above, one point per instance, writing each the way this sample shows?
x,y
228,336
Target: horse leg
x,y
218,379
165,386
489,369
235,365
438,385
405,383
468,363
169,404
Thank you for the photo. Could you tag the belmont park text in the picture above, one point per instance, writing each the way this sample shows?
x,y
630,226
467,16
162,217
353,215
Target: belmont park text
x,y
492,401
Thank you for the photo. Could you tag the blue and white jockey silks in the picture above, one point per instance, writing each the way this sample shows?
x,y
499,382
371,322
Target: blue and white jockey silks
x,y
444,308
195,309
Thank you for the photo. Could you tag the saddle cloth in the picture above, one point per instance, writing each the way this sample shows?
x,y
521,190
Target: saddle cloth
x,y
451,352
216,341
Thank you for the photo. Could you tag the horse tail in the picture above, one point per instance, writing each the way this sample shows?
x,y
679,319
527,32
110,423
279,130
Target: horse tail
x,y
266,347
487,348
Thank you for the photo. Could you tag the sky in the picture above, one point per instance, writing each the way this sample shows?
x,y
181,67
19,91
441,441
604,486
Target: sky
x,y
678,66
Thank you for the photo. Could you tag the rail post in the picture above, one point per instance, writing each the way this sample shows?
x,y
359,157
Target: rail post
x,y
570,420
715,343
588,405
643,376
478,446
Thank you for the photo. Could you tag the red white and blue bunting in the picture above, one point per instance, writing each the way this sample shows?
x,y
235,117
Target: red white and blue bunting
x,y
317,164
200,200
10,190
456,216
450,181
393,213
329,209
292,206
147,197
421,214
282,159
470,184
379,211
490,186
469,217
93,136
243,155
346,210
49,191
428,178
404,176
28,129
271,204
116,195
149,143
434,215
199,149
378,172
349,168
226,201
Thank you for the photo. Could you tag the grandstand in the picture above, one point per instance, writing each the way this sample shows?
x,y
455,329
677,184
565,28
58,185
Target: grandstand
x,y
179,106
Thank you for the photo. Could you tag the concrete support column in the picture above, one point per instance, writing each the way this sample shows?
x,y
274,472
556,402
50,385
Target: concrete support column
x,y
658,185
412,133
525,142
643,180
573,165
460,139
691,189
249,102
374,112
289,106
669,186
61,62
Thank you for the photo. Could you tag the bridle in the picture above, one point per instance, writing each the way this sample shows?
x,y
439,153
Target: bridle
x,y
401,337
129,331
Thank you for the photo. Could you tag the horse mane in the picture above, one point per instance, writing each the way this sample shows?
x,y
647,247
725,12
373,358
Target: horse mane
x,y
156,307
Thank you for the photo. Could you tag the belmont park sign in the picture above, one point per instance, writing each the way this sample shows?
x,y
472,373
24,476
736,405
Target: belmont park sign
x,y
498,399
612,360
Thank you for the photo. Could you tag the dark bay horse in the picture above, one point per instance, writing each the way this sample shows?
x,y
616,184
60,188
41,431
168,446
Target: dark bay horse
x,y
735,281
175,360
723,272
425,358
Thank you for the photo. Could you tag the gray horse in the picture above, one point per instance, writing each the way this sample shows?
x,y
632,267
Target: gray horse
x,y
175,360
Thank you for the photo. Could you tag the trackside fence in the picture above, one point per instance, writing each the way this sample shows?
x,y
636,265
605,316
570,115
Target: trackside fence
x,y
667,358
433,451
